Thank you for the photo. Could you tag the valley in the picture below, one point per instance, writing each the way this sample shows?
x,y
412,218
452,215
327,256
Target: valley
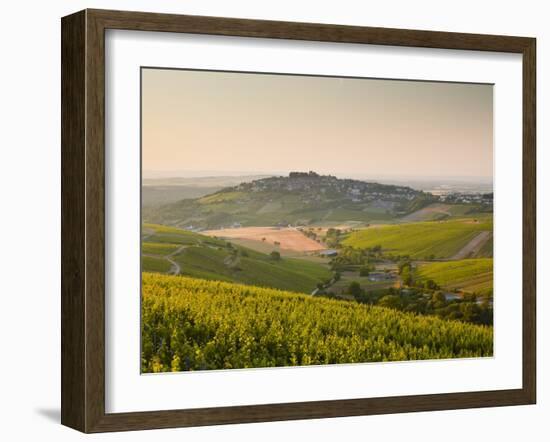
x,y
196,255
297,219
326,237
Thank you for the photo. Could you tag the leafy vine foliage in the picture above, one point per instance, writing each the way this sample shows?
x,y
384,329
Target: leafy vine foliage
x,y
194,324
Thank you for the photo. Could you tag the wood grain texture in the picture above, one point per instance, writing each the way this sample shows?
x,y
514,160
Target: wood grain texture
x,y
83,220
529,221
144,21
73,211
95,222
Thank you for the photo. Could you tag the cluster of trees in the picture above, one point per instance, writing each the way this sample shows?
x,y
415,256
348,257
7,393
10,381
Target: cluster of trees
x,y
310,233
405,270
235,251
194,324
332,237
468,308
350,258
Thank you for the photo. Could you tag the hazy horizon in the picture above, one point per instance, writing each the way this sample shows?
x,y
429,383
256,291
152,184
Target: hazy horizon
x,y
167,174
265,124
427,184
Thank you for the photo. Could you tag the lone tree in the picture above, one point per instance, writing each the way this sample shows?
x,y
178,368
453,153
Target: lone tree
x,y
364,271
354,288
431,284
275,256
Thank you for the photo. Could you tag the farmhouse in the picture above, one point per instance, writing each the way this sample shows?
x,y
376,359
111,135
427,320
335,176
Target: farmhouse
x,y
380,276
451,296
328,253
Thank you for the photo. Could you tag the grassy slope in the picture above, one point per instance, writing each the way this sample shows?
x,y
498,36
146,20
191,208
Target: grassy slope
x,y
173,235
419,240
156,248
209,258
471,275
268,208
156,196
255,269
152,264
443,211
191,324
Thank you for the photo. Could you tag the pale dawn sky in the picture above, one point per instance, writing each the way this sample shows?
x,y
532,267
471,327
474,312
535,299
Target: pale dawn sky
x,y
263,123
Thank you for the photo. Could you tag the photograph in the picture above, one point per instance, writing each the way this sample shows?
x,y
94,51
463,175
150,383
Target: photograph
x,y
302,220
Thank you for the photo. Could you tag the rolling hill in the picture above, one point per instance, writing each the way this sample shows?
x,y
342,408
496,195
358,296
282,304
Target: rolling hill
x,y
439,211
442,239
470,275
298,199
193,324
172,250
159,191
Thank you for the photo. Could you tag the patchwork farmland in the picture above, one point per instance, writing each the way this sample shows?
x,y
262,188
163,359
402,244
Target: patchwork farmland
x,y
284,238
262,252
176,251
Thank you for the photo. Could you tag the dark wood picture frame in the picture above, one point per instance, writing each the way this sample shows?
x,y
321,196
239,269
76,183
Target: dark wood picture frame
x,y
83,220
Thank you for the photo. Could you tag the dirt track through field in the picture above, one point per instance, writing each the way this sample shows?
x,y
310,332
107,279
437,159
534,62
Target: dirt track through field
x,y
176,268
473,246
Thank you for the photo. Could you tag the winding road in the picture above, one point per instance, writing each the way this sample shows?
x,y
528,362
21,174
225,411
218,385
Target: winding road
x,y
176,267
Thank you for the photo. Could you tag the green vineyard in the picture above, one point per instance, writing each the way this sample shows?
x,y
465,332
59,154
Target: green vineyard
x,y
440,239
471,275
195,324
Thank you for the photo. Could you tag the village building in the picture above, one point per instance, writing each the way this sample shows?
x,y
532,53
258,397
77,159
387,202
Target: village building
x,y
328,253
380,276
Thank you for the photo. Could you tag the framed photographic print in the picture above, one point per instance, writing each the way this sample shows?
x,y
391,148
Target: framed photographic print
x,y
270,220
